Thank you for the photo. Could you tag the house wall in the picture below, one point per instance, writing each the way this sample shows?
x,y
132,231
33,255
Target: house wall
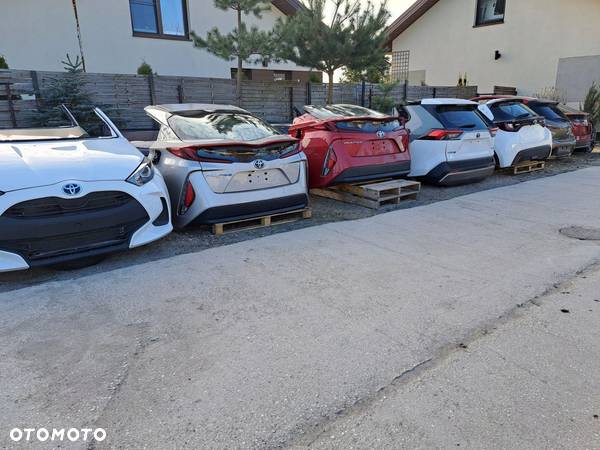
x,y
37,37
534,36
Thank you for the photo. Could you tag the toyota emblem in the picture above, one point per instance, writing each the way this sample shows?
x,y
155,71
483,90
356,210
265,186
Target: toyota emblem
x,y
380,134
71,189
259,164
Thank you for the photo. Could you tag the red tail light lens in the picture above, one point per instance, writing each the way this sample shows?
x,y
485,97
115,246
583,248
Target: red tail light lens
x,y
508,126
188,198
443,135
330,161
192,154
405,140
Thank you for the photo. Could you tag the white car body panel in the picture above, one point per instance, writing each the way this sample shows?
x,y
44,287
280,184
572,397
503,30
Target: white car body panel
x,y
38,170
226,190
507,144
427,155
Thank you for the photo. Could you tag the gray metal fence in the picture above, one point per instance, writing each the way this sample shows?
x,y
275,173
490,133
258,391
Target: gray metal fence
x,y
21,92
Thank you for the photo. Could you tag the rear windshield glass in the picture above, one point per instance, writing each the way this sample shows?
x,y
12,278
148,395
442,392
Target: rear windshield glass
x,y
548,111
57,123
511,111
368,126
461,117
221,126
341,111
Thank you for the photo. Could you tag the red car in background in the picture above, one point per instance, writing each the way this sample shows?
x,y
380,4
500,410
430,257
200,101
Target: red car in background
x,y
583,128
348,143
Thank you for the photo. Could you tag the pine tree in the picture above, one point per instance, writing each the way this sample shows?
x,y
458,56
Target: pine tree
x,y
243,44
69,89
3,63
353,37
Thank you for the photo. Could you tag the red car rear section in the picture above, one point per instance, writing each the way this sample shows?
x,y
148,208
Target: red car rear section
x,y
352,149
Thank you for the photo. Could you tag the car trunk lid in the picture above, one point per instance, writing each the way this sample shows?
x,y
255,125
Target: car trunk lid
x,y
471,145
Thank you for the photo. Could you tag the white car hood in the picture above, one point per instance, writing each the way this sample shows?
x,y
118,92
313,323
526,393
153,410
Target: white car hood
x,y
32,164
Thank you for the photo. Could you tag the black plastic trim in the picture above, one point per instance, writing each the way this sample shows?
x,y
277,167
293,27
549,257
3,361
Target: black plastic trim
x,y
454,173
163,217
533,154
366,173
249,210
51,239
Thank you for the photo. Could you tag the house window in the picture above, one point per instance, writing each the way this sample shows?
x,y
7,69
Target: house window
x,y
282,76
159,18
490,12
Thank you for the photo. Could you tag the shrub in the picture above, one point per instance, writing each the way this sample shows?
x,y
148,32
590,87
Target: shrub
x,y
385,102
591,104
550,93
144,69
3,63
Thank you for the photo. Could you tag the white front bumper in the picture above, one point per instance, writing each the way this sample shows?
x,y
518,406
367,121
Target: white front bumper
x,y
149,196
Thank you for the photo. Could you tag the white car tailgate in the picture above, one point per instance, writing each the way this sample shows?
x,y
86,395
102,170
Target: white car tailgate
x,y
471,145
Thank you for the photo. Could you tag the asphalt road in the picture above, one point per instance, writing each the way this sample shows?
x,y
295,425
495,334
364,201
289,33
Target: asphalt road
x,y
272,342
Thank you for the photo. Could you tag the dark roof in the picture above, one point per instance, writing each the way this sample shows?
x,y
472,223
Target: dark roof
x,y
410,16
288,7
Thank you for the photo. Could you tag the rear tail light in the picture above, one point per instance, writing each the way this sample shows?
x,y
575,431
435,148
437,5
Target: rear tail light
x,y
508,126
443,135
330,161
189,195
493,131
195,154
405,140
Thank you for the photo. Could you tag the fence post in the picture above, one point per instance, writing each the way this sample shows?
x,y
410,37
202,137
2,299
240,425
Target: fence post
x,y
362,93
308,93
434,94
291,96
11,106
180,92
370,97
405,92
152,90
35,82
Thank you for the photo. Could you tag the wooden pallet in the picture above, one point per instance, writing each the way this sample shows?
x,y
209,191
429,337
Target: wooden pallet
x,y
260,222
527,167
372,195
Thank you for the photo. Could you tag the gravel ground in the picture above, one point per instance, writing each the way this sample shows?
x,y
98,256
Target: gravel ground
x,y
197,238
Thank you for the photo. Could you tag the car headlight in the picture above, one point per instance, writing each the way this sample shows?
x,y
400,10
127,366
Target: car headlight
x,y
143,174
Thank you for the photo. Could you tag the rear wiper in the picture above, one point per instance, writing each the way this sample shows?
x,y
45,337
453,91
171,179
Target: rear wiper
x,y
467,125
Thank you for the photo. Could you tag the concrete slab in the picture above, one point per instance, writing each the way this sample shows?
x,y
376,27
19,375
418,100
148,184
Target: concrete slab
x,y
260,343
531,383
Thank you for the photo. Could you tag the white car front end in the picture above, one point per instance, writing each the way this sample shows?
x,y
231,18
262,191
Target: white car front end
x,y
64,199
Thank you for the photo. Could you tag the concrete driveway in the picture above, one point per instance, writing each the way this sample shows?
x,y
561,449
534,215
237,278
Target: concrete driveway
x,y
274,342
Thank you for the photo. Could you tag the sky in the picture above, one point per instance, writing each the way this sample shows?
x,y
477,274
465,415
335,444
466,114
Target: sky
x,y
396,7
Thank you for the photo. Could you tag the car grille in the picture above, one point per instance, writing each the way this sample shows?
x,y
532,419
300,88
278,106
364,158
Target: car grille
x,y
54,206
45,230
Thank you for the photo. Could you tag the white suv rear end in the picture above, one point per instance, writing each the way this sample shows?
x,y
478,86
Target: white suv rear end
x,y
450,141
522,135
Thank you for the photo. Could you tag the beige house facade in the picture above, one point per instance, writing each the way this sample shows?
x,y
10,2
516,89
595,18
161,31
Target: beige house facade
x,y
526,44
116,36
